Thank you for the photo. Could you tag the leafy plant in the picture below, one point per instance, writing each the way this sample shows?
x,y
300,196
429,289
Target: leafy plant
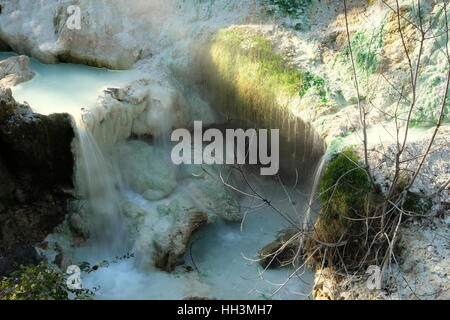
x,y
39,282
43,282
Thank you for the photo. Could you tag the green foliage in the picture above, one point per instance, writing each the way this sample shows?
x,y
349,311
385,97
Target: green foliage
x,y
354,100
415,204
353,214
315,82
43,282
258,55
336,145
251,81
291,8
366,50
38,282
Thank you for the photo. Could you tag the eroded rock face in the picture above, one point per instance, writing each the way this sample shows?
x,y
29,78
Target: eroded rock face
x,y
36,166
15,70
168,252
112,33
98,41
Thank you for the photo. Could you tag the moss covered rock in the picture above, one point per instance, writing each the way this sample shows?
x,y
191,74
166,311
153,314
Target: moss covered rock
x,y
348,203
250,81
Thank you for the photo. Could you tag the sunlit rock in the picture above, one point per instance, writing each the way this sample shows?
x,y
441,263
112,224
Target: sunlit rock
x,y
15,70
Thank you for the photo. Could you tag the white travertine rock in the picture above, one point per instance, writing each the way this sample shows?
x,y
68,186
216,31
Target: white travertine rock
x,y
113,33
107,37
15,70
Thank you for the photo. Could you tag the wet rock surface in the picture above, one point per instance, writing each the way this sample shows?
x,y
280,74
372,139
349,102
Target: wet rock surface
x,y
22,255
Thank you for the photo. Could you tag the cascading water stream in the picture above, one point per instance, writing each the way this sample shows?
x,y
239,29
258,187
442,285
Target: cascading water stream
x,y
308,219
100,184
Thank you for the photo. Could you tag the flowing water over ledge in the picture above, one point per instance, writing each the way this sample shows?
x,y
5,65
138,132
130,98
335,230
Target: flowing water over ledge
x,y
219,254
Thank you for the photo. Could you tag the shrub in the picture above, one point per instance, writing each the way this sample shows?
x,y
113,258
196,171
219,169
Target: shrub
x,y
38,282
413,203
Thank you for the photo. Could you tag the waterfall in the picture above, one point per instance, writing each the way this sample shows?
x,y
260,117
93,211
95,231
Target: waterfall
x,y
308,218
99,182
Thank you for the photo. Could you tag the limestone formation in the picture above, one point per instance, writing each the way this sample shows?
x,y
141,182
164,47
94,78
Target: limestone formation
x,y
14,71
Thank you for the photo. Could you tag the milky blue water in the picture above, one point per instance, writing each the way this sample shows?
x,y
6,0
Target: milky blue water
x,y
66,87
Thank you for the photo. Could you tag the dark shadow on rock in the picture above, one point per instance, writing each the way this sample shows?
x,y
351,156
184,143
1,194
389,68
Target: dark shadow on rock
x,y
36,169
